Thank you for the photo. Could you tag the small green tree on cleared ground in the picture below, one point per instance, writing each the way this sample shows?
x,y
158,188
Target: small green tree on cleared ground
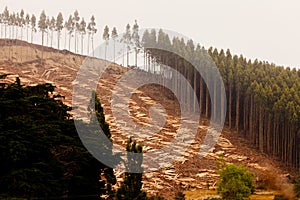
x,y
131,187
235,182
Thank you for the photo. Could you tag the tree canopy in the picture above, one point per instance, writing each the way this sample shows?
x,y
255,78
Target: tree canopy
x,y
41,154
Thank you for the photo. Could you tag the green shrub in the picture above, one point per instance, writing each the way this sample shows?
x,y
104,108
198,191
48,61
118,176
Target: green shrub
x,y
235,182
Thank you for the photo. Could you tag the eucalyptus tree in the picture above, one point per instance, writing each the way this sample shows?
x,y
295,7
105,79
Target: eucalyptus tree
x,y
70,26
105,37
5,17
114,35
33,26
127,41
82,31
52,28
22,22
42,25
47,30
65,28
27,24
144,42
12,24
136,40
59,27
91,31
76,19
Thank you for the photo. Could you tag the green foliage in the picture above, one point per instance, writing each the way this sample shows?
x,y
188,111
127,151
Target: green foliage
x,y
235,183
41,154
98,117
131,187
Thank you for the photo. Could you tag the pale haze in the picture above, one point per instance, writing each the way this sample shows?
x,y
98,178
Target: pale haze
x,y
265,29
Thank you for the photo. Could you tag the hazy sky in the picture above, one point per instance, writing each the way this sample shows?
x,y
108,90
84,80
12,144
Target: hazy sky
x,y
264,29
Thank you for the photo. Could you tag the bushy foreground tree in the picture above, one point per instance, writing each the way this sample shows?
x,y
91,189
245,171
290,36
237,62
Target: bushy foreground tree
x,y
235,182
41,154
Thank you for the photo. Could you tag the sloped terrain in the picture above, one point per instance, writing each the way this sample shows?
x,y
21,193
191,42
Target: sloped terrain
x,y
36,64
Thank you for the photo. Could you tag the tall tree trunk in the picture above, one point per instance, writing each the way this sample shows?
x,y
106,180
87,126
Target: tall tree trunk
x,y
42,38
93,45
251,120
88,44
269,137
260,131
215,101
230,106
82,44
69,42
237,110
195,89
27,33
58,39
201,96
136,53
51,38
207,103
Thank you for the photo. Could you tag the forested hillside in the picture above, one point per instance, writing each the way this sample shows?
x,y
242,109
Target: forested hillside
x,y
263,100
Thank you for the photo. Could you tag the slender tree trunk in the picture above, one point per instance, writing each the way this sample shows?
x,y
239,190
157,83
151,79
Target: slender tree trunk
x,y
21,33
136,53
65,39
5,27
260,131
237,111
58,39
201,96
27,34
42,38
82,44
230,106
75,42
115,51
51,38
251,120
93,44
195,88
269,138
127,56
47,35
215,100
88,44
69,42
207,103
